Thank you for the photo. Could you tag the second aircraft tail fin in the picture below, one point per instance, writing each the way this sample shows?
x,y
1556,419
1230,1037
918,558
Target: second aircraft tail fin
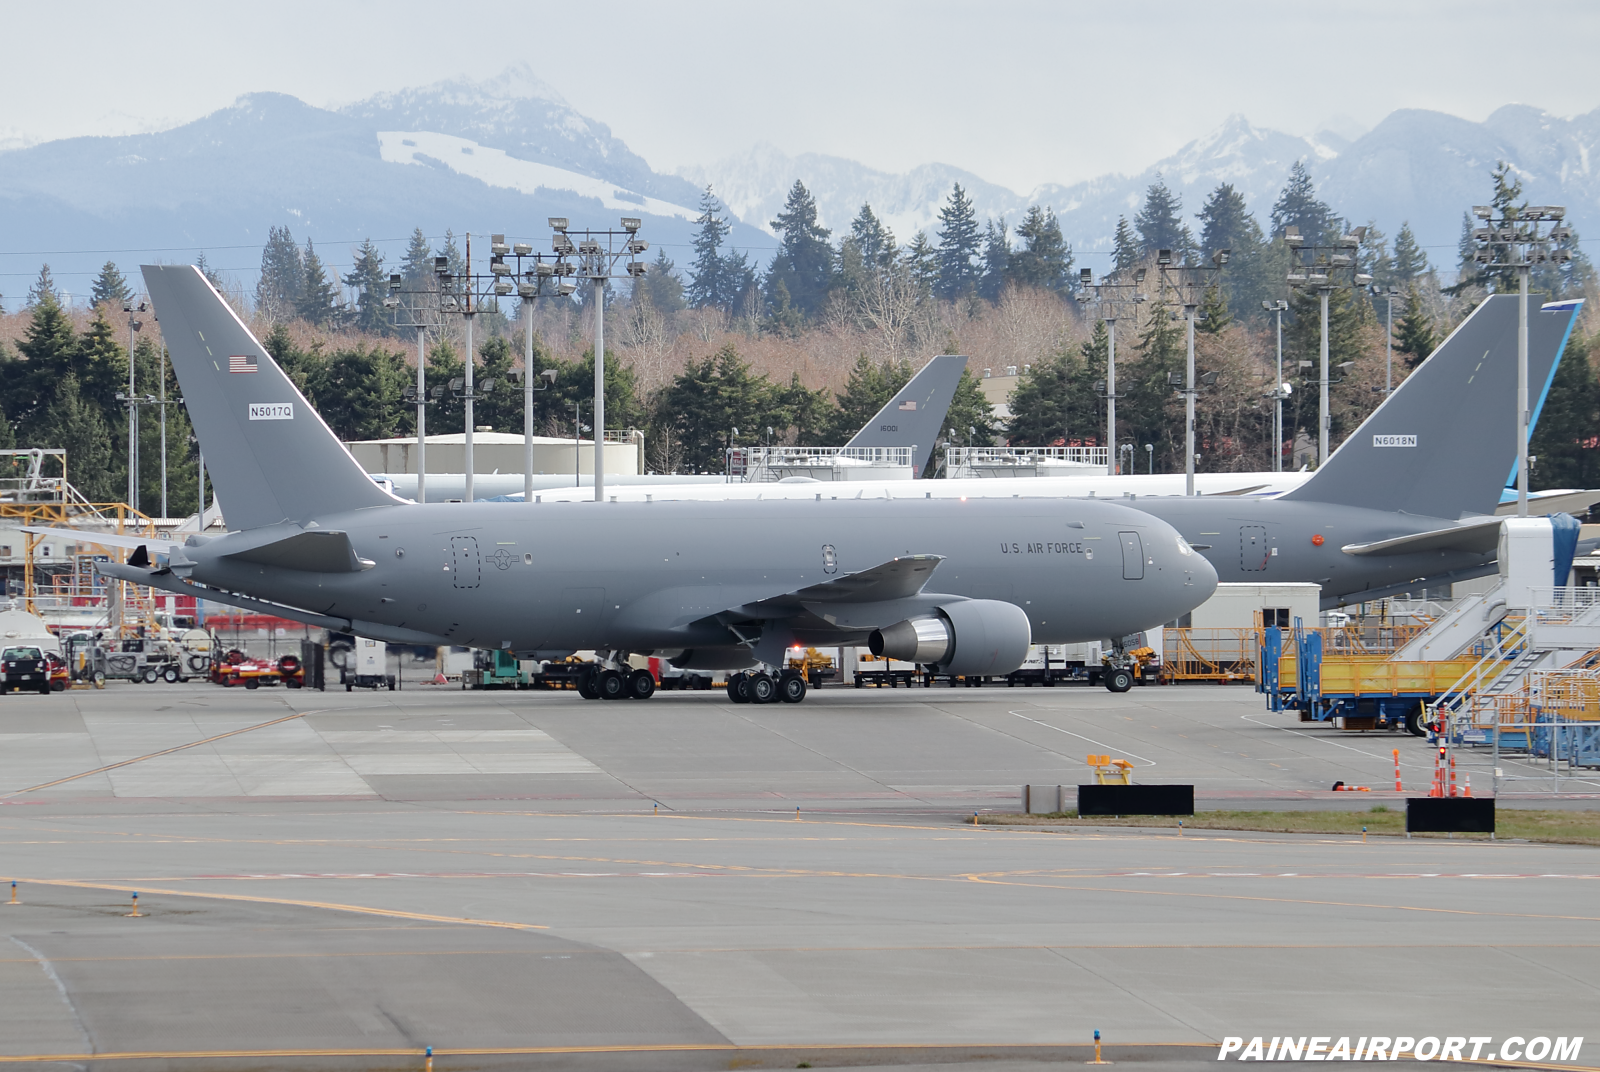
x,y
1440,444
914,417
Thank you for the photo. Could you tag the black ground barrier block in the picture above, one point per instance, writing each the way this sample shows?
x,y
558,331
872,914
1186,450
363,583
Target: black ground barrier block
x,y
1135,800
1449,815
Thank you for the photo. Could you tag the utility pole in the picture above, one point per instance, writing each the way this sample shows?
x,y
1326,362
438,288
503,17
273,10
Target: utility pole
x,y
471,362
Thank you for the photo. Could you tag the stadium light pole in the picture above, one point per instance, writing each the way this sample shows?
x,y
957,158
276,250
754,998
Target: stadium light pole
x,y
1189,282
132,399
1109,388
1278,393
598,255
1515,241
1313,267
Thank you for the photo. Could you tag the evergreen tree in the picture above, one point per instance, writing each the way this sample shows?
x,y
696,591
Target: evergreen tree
x,y
1226,223
922,260
867,389
960,243
49,345
1564,441
708,274
109,287
76,425
1054,400
970,409
371,285
996,259
357,392
452,253
1213,315
417,265
1045,259
1297,206
318,299
660,287
1414,334
1149,411
805,412
1160,223
707,400
1125,246
804,261
1372,255
282,276
101,364
1410,259
43,289
210,273
874,240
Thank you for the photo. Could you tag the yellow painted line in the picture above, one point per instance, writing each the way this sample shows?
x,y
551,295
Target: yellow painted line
x,y
152,755
366,910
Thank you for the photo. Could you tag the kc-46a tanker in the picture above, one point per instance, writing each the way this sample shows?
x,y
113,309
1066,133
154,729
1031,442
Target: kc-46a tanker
x,y
961,586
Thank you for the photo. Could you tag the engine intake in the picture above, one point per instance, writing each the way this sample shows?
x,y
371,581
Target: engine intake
x,y
970,637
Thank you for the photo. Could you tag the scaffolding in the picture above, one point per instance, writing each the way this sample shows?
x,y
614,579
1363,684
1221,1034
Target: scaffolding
x,y
35,493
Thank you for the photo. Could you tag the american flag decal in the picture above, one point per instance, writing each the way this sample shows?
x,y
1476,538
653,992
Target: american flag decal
x,y
908,404
241,364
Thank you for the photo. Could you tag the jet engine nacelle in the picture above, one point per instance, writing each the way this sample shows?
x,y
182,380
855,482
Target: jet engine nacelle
x,y
972,637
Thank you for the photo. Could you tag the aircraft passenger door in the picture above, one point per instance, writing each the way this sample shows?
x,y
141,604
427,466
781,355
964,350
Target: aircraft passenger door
x,y
1132,556
466,564
1253,549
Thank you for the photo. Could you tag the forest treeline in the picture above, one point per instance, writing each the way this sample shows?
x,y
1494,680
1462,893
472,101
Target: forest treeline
x,y
720,350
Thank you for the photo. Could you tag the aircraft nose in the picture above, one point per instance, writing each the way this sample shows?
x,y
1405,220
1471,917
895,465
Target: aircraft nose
x,y
1188,579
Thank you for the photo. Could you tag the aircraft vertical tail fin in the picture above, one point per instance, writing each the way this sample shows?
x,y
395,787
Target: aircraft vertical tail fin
x,y
914,417
270,456
1439,445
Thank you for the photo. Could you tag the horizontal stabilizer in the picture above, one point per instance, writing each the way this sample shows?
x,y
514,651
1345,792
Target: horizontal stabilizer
x,y
1478,537
156,544
314,551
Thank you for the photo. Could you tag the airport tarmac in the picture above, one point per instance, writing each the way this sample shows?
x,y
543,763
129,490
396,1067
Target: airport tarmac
x,y
528,880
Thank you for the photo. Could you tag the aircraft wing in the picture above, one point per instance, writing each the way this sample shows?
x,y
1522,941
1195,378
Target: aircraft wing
x,y
1567,501
1480,536
898,578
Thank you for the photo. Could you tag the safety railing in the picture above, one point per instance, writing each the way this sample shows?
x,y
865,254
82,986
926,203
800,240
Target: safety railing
x,y
1564,604
758,464
1217,654
1002,461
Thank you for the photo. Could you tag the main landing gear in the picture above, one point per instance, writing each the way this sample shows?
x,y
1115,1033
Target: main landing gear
x,y
614,679
759,686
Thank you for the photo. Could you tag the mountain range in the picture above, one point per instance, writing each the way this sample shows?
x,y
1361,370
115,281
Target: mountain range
x,y
504,154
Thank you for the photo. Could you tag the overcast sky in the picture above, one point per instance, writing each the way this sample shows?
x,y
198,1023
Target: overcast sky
x,y
1019,92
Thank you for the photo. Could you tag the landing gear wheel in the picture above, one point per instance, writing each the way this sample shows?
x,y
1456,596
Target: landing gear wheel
x,y
762,689
739,689
586,686
170,676
792,689
1119,679
1414,723
641,685
611,685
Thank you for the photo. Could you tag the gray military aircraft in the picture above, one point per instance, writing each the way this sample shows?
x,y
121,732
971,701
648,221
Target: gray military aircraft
x,y
913,419
707,584
1408,500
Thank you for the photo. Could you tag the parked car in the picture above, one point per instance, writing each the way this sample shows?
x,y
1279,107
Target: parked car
x,y
24,668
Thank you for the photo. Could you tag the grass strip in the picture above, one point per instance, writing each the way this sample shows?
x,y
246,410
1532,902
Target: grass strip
x,y
1561,827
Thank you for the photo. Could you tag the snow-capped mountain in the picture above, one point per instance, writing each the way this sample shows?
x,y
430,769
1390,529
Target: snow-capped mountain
x,y
1418,166
505,153
497,156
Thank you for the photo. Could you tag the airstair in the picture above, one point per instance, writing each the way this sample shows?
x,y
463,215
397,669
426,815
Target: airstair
x,y
1453,674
